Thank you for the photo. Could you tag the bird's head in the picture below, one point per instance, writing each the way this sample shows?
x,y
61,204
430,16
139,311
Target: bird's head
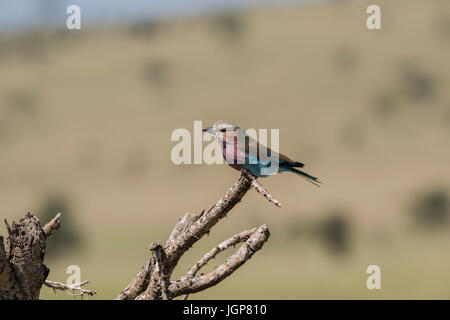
x,y
221,129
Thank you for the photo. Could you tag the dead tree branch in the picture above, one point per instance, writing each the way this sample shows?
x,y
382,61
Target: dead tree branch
x,y
76,288
240,237
22,271
232,263
153,281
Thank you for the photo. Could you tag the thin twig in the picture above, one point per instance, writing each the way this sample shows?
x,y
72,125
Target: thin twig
x,y
68,287
261,190
52,225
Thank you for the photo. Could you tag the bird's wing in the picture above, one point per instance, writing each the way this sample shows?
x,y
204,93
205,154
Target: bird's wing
x,y
283,160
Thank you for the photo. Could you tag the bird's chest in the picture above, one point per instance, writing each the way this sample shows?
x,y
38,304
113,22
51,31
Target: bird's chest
x,y
233,156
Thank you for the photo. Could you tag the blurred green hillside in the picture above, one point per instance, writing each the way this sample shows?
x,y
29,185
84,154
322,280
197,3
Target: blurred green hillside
x,y
86,118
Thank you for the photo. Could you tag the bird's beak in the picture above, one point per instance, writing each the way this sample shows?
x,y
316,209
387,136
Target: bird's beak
x,y
209,130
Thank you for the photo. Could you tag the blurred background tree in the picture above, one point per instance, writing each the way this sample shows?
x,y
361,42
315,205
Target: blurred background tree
x,y
431,209
60,243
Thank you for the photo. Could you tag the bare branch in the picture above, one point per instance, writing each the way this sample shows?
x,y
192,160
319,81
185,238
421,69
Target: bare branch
x,y
181,226
153,281
245,252
72,287
22,272
139,284
207,220
261,190
240,237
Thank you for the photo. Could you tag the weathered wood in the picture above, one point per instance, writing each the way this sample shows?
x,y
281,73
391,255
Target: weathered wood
x,y
22,268
155,284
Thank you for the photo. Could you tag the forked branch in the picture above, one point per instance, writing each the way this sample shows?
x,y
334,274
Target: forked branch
x,y
153,281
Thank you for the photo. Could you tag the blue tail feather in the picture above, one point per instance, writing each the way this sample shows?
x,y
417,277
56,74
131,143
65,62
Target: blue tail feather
x,y
308,177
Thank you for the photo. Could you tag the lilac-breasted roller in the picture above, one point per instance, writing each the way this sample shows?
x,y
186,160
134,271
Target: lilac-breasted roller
x,y
240,151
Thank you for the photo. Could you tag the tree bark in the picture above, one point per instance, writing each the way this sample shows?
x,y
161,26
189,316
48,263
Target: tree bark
x,y
22,268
